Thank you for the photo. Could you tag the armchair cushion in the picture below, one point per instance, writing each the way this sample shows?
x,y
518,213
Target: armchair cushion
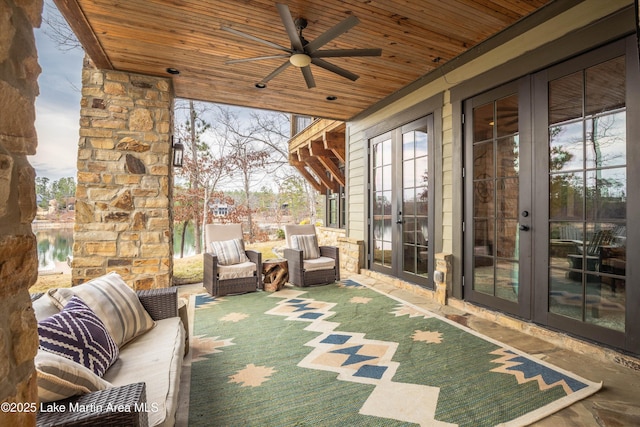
x,y
236,271
229,252
320,263
79,335
307,243
59,377
114,302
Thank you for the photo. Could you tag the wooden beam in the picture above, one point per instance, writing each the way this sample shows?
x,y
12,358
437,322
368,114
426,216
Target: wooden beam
x,y
317,167
300,165
326,158
78,22
335,141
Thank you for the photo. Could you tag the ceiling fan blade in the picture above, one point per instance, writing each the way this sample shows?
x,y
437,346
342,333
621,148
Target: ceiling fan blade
x,y
290,26
257,58
332,33
308,77
346,52
276,72
335,69
255,39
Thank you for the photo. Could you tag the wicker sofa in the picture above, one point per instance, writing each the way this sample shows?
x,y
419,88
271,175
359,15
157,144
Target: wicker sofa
x,y
142,384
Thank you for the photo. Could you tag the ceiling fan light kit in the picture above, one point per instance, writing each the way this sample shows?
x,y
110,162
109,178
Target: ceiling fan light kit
x,y
300,60
304,53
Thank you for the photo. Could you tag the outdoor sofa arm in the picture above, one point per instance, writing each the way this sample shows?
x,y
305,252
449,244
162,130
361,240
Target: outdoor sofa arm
x,y
160,303
116,406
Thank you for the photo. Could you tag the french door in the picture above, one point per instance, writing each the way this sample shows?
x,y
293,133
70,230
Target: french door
x,y
400,206
549,205
498,210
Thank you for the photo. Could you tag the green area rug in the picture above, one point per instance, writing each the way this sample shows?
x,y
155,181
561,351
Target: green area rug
x,y
347,355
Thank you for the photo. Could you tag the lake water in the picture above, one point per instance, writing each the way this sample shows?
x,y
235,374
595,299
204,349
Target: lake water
x,y
57,244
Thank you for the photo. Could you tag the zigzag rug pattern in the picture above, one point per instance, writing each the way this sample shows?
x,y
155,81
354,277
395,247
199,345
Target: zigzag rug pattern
x,y
345,354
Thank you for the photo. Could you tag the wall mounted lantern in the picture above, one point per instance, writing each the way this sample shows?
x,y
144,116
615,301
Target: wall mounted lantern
x,y
178,154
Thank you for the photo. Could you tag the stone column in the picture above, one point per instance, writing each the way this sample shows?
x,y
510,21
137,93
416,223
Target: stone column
x,y
19,72
123,196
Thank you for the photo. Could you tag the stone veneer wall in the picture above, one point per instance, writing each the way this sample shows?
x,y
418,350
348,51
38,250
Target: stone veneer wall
x,y
123,212
351,250
19,72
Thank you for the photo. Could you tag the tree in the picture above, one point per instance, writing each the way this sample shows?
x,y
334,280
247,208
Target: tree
x,y
43,190
205,166
247,156
57,28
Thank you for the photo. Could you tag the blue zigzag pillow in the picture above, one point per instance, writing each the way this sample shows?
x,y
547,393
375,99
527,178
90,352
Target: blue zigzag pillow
x,y
79,335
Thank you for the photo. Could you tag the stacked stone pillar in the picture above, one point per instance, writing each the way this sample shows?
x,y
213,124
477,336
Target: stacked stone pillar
x,y
19,72
123,210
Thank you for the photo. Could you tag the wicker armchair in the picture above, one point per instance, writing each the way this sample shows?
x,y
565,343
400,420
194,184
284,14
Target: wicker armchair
x,y
160,304
222,279
309,272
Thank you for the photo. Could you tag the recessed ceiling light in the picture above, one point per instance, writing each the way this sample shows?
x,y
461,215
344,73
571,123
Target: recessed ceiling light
x,y
261,85
331,98
173,71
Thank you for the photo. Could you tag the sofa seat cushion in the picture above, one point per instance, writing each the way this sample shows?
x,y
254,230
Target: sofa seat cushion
x,y
237,271
114,302
320,263
155,358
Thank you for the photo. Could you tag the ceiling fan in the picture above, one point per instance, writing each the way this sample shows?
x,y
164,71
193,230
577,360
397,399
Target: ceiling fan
x,y
303,52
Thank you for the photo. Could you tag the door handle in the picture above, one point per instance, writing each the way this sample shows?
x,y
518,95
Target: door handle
x,y
399,220
524,227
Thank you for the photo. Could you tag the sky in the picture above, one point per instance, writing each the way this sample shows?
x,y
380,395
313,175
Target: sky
x,y
58,106
57,109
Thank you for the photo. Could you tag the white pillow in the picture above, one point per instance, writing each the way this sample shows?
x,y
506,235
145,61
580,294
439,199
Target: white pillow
x,y
59,377
44,307
229,252
308,244
114,302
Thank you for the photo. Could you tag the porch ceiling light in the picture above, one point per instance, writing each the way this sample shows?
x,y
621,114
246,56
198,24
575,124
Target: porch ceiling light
x,y
178,154
300,60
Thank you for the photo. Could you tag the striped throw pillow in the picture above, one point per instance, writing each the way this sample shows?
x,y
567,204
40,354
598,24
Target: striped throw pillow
x,y
229,252
79,335
114,302
59,378
308,244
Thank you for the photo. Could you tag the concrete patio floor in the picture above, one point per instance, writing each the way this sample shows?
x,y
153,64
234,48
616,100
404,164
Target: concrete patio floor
x,y
616,404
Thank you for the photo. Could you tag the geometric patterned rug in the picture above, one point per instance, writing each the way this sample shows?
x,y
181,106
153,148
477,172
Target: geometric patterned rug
x,y
347,355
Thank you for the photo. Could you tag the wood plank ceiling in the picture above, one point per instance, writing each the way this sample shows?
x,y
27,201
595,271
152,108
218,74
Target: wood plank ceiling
x,y
416,36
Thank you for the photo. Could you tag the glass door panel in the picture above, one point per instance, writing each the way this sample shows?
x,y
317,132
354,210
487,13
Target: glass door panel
x,y
588,195
382,202
415,180
495,198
